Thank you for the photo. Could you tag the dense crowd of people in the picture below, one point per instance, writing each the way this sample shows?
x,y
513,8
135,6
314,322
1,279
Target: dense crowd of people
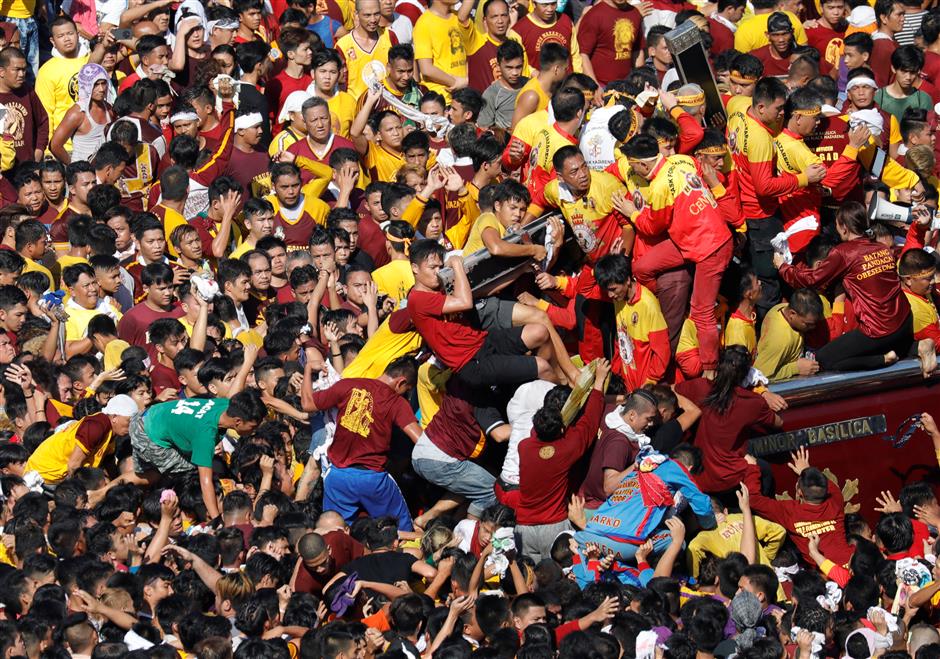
x,y
365,328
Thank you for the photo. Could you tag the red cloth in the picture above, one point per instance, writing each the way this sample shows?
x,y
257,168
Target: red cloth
x,y
868,272
452,339
931,70
367,411
612,51
690,131
723,438
722,37
545,467
302,148
880,60
534,37
773,66
280,87
801,518
134,324
93,432
163,377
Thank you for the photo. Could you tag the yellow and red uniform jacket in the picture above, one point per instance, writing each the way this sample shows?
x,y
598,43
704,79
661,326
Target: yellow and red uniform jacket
x,y
926,321
524,133
682,206
642,339
752,150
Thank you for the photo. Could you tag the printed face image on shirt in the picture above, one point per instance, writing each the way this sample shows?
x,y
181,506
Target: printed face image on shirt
x,y
624,35
456,43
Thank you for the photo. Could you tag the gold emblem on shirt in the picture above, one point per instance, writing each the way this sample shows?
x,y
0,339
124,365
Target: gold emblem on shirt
x,y
546,452
624,35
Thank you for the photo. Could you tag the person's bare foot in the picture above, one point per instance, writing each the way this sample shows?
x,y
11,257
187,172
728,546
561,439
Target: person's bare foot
x,y
890,358
927,354
421,521
709,374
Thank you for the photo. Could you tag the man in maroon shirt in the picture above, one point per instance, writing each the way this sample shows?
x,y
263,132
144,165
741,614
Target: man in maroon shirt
x,y
157,280
27,121
827,37
610,34
777,55
889,14
321,558
367,410
478,357
167,337
321,141
545,462
248,165
723,24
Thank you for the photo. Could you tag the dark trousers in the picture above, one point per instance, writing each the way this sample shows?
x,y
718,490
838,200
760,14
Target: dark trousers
x,y
761,255
853,351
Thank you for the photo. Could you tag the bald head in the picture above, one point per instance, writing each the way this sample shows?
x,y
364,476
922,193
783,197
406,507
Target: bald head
x,y
311,546
145,27
921,635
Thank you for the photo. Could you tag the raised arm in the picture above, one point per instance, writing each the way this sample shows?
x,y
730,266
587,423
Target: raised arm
x,y
462,297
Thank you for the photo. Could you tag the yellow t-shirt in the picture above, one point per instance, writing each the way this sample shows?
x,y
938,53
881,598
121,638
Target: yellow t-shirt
x,y
57,86
33,266
752,32
51,457
171,220
282,141
357,58
381,164
342,112
535,86
66,260
475,239
244,248
76,327
779,346
395,279
382,348
443,41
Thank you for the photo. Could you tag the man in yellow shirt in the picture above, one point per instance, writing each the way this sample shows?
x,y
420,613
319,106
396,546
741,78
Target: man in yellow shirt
x,y
57,80
382,156
395,279
259,220
752,30
83,305
366,43
31,240
441,41
780,348
535,95
82,444
326,67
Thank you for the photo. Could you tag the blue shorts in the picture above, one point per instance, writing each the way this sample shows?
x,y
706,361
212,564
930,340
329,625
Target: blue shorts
x,y
349,490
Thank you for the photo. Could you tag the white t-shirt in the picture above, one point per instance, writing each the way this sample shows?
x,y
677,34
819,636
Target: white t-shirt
x,y
520,410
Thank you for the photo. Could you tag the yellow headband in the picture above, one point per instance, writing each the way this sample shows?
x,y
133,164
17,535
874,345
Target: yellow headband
x,y
738,77
930,272
664,141
395,239
810,112
693,99
712,151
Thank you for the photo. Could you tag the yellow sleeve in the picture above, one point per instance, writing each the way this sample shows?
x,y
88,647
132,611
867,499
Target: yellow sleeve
x,y
7,153
771,357
412,213
526,69
45,90
696,553
798,32
423,39
322,175
457,234
740,333
770,535
894,134
575,51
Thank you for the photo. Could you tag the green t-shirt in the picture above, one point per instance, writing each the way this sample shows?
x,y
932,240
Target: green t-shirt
x,y
190,426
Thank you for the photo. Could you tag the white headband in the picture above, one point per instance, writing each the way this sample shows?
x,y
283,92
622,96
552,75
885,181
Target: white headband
x,y
223,24
248,120
184,116
861,80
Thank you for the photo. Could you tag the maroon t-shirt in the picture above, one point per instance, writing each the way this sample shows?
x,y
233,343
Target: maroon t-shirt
x,y
163,377
93,432
880,60
455,429
722,37
723,438
451,337
30,126
773,66
302,148
134,324
245,167
612,51
367,411
613,450
343,549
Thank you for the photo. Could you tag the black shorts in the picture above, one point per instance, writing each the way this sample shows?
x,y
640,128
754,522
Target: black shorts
x,y
502,359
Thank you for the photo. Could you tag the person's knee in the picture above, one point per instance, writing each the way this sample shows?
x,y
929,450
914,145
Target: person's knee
x,y
534,335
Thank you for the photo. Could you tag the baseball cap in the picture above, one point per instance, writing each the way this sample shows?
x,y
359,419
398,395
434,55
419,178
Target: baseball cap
x,y
779,22
121,405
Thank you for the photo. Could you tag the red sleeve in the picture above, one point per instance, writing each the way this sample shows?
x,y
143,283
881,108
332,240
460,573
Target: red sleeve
x,y
839,574
428,304
651,222
403,415
587,34
768,185
508,163
332,397
93,432
775,511
218,162
916,233
690,363
565,318
842,177
41,123
662,354
584,431
799,276
932,331
566,628
729,203
690,131
127,328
